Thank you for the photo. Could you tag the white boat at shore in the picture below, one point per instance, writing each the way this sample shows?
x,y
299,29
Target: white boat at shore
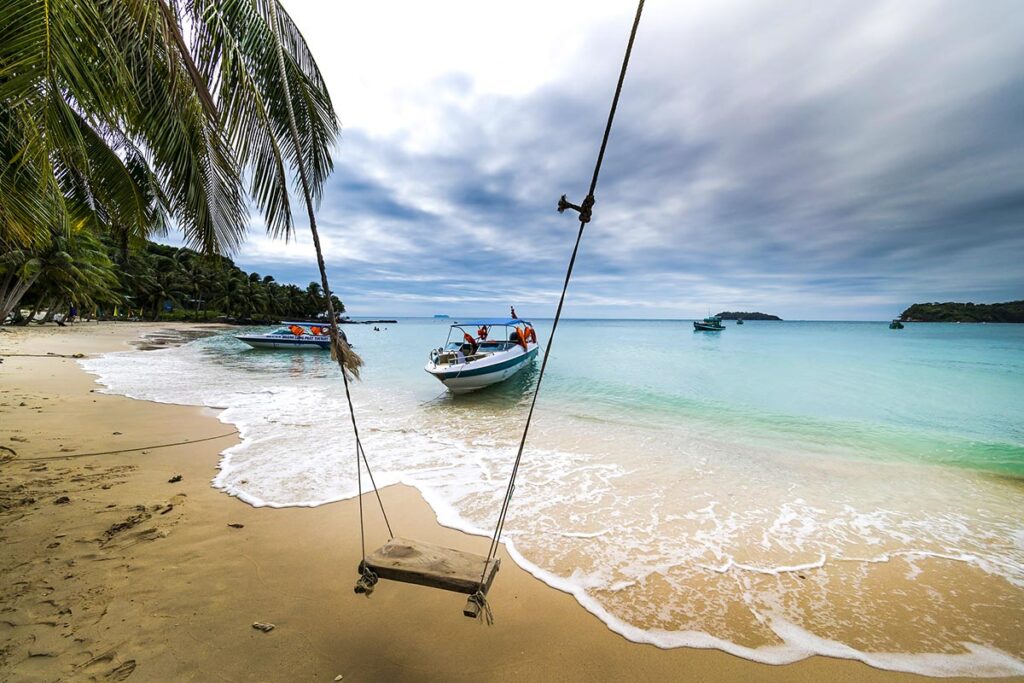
x,y
301,336
474,360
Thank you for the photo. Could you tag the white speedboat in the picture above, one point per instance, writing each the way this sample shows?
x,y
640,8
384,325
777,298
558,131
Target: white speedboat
x,y
482,353
314,336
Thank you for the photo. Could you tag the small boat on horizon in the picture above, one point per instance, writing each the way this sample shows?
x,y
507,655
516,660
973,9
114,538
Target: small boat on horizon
x,y
474,359
710,324
739,321
293,335
896,325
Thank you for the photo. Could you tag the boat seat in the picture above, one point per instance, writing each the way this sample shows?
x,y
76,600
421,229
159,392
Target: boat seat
x,y
426,564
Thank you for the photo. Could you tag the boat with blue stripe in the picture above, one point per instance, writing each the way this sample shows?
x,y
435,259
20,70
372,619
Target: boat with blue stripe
x,y
483,352
292,335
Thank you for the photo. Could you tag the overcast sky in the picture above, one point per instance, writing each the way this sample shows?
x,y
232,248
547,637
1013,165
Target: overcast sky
x,y
817,160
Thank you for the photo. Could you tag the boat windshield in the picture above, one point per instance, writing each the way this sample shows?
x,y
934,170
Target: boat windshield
x,y
481,346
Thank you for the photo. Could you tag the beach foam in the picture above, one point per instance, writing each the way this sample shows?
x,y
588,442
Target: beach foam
x,y
668,536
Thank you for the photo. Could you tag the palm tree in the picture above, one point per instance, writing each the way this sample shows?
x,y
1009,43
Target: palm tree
x,y
71,270
110,117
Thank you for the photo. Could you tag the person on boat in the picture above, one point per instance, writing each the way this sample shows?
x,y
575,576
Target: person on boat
x,y
518,336
470,341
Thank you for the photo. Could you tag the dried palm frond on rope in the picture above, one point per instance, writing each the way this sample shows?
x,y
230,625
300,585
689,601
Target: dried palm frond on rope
x,y
350,361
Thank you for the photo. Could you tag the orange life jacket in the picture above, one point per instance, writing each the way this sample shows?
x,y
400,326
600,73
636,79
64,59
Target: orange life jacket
x,y
531,335
315,330
521,337
469,339
296,330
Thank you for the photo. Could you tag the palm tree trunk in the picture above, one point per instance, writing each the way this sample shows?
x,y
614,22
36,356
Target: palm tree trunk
x,y
14,290
60,306
35,309
51,310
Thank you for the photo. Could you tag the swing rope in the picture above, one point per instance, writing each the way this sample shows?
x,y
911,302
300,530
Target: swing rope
x,y
367,578
584,211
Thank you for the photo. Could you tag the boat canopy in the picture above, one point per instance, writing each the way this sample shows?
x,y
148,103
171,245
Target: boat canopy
x,y
506,322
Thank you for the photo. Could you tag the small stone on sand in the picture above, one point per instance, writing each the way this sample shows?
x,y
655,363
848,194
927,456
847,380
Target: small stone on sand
x,y
261,626
175,479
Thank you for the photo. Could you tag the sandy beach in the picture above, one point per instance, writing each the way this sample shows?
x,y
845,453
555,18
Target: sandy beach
x,y
112,571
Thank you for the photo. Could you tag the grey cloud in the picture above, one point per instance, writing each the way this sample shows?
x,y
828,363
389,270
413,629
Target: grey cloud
x,y
861,154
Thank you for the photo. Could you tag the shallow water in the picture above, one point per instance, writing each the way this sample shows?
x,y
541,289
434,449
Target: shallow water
x,y
775,490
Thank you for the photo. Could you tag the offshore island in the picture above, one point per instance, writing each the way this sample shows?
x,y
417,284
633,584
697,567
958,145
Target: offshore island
x,y
742,315
952,312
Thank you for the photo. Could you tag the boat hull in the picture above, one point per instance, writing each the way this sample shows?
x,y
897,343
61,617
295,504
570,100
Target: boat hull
x,y
480,374
703,327
321,343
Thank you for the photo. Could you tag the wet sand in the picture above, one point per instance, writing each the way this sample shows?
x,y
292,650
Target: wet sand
x,y
111,571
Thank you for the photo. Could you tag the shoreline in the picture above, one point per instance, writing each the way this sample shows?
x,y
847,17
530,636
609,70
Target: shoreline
x,y
175,592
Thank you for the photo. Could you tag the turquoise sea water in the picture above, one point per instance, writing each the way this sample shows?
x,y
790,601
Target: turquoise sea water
x,y
939,392
942,393
765,490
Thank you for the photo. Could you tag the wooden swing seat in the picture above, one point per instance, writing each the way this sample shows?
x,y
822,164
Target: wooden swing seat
x,y
431,565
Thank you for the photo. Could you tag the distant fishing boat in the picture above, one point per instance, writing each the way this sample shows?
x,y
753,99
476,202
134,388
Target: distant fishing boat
x,y
739,321
312,336
896,325
710,324
475,359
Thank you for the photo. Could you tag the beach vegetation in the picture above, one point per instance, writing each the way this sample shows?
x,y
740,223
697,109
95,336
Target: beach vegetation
x,y
160,282
120,119
950,312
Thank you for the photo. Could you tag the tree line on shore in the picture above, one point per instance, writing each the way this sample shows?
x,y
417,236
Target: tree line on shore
x,y
157,282
951,311
119,120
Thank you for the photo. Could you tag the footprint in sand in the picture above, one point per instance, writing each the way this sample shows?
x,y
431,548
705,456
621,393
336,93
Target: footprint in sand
x,y
100,662
123,671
